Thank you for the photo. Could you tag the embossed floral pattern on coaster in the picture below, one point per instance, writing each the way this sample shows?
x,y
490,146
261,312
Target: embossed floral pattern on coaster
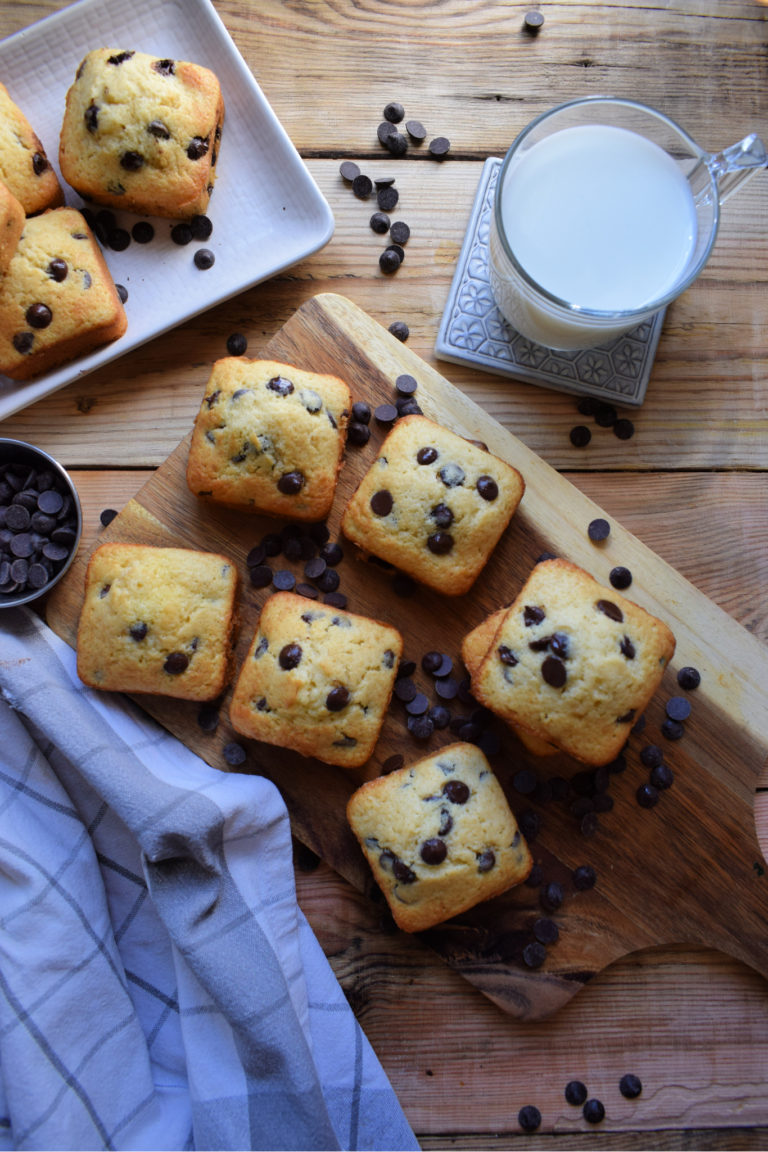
x,y
473,331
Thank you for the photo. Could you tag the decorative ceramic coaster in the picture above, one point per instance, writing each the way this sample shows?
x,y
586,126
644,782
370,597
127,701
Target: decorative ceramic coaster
x,y
473,331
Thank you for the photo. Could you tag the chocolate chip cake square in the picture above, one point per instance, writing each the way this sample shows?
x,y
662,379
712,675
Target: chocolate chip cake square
x,y
433,504
142,133
57,297
24,166
317,680
573,663
269,438
439,836
157,620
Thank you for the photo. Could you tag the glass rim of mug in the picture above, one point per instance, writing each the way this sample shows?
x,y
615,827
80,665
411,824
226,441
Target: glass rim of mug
x,y
550,297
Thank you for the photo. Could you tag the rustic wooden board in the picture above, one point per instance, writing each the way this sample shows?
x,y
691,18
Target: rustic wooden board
x,y
688,871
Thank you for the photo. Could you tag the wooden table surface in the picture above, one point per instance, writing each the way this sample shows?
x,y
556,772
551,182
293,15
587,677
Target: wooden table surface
x,y
690,484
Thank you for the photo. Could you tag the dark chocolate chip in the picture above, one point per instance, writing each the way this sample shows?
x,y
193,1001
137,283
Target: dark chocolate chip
x,y
38,315
624,429
400,232
132,161
487,488
290,483
627,648
611,610
416,130
689,678
387,198
382,502
349,170
234,754
358,434
533,614
400,330
672,730
529,1117
452,475
678,708
138,631
290,656
651,755
396,143
630,1086
394,112
433,851
507,656
418,706
159,130
662,777
337,698
202,227
197,148
204,259
593,1111
439,147
57,269
546,931
385,413
176,663
620,577
456,791
605,415
534,955
362,186
598,530
379,223
389,261
420,727
440,543
524,781
552,896
237,344
402,872
647,796
392,763
580,436
181,234
532,22
554,672
576,1092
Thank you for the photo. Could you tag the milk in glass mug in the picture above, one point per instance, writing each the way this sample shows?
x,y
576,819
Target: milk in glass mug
x,y
605,211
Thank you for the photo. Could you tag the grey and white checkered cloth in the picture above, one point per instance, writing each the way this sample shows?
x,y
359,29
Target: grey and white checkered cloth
x,y
161,989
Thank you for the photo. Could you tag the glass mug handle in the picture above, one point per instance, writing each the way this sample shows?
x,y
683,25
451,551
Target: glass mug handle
x,y
733,166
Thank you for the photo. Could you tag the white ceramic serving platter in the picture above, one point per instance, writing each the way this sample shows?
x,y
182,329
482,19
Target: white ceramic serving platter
x,y
266,209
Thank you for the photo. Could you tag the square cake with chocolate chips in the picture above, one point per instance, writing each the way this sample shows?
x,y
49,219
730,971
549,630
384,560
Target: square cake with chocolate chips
x,y
317,680
572,663
439,836
142,133
433,504
269,438
158,620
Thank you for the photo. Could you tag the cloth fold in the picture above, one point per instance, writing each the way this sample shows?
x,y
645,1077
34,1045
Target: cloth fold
x,y
161,988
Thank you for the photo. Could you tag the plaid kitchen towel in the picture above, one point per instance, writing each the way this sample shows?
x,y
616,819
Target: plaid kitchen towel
x,y
160,987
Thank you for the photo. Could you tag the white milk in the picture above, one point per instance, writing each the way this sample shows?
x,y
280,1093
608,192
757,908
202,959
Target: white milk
x,y
598,216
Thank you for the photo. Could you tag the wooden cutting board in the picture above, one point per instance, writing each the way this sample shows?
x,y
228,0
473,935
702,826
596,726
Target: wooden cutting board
x,y
689,870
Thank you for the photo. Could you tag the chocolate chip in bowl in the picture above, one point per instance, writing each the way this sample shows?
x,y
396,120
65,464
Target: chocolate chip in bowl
x,y
41,522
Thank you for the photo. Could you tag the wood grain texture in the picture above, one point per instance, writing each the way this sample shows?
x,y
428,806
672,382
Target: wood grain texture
x,y
638,903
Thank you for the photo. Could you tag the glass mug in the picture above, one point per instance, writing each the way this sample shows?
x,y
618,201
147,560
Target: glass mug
x,y
605,211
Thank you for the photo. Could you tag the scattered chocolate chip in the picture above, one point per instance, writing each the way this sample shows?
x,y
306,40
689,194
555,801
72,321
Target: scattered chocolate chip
x,y
396,143
439,147
546,931
385,413
349,170
181,234
534,954
418,706
678,708
420,727
399,330
598,530
392,763
379,223
630,1086
672,730
651,755
416,130
387,199
362,186
552,896
605,415
107,516
647,796
202,227
620,578
204,259
394,112
624,429
440,716
358,434
529,1118
530,826
400,232
122,292
593,1111
237,344
234,754
532,22
662,777
579,436
576,1092
689,678
389,261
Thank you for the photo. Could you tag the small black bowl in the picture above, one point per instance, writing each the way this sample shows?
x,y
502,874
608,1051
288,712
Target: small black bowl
x,y
41,540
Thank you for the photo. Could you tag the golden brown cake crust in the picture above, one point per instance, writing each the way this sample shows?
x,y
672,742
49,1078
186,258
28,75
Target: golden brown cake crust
x,y
57,298
573,663
158,620
433,504
141,133
316,679
12,220
269,437
439,836
24,166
